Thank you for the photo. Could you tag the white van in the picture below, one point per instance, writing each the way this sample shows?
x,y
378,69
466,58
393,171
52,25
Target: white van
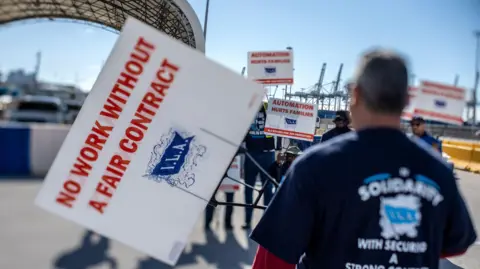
x,y
32,108
73,108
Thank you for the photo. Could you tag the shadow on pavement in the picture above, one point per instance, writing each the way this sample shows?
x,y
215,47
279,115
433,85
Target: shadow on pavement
x,y
224,255
446,264
90,253
227,255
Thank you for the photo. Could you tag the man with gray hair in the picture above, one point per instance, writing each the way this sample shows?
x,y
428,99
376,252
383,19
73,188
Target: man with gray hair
x,y
372,198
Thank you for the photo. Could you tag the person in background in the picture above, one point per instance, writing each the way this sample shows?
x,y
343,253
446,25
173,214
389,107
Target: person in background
x,y
262,148
341,126
229,191
375,198
279,168
210,211
418,129
290,155
274,169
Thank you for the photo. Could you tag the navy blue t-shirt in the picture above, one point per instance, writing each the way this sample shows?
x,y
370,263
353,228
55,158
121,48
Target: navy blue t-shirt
x,y
368,199
256,140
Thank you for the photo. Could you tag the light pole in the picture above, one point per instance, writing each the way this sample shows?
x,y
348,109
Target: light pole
x,y
205,22
289,49
477,77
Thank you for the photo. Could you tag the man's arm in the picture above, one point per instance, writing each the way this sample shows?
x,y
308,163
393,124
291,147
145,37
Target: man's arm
x,y
437,144
273,170
286,227
459,233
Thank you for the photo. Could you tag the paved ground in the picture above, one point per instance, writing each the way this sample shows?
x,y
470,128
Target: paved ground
x,y
33,239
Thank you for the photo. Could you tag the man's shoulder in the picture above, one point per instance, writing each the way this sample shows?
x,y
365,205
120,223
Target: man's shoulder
x,y
431,138
328,133
426,152
332,148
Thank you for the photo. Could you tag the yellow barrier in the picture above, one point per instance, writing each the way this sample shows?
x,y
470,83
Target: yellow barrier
x,y
475,161
464,154
460,155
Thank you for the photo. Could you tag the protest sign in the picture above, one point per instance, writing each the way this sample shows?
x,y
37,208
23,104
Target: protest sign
x,y
408,110
271,67
291,119
234,172
440,102
151,143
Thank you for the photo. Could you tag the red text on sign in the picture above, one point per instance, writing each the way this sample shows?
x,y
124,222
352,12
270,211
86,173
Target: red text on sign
x,y
134,134
103,126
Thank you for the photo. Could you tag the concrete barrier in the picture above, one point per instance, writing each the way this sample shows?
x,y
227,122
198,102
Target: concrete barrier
x,y
465,154
29,149
45,142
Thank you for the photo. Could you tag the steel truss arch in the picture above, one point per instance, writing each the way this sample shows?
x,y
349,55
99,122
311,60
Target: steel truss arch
x,y
173,17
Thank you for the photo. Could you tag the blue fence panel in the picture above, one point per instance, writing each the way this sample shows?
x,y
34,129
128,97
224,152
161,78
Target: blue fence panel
x,y
14,151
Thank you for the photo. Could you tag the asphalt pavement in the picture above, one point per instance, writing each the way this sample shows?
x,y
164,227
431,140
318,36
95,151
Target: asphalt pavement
x,y
31,238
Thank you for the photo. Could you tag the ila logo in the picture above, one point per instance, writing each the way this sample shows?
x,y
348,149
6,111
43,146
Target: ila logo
x,y
174,158
290,123
270,71
400,215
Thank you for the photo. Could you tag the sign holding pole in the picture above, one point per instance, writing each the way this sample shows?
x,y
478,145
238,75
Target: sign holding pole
x,y
271,67
144,156
291,119
440,102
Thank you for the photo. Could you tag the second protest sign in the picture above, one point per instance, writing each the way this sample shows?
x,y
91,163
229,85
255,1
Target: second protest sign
x,y
291,119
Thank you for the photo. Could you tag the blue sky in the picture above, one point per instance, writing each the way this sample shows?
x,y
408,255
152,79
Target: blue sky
x,y
437,35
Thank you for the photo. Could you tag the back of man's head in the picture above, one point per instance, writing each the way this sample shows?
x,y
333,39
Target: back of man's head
x,y
382,82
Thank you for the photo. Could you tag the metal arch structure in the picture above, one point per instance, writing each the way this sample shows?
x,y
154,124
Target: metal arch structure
x,y
173,17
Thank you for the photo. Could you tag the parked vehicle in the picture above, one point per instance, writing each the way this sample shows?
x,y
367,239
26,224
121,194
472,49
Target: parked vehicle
x,y
31,108
73,108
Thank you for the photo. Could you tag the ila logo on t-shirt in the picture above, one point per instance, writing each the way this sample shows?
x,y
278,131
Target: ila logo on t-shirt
x,y
400,215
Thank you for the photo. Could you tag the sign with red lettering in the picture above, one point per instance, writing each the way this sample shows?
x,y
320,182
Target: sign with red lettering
x,y
271,67
440,102
149,147
234,172
291,119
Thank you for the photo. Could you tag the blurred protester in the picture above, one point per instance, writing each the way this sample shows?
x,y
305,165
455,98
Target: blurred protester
x,y
373,199
275,168
210,211
341,126
278,169
228,187
418,129
262,148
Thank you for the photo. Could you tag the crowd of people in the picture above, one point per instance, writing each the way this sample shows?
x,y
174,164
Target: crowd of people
x,y
262,147
366,197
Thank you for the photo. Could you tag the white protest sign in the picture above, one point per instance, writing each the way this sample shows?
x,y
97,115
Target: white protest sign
x,y
270,67
440,102
291,119
144,155
408,110
234,172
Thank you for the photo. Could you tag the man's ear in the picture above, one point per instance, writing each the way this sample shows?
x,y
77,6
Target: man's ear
x,y
354,96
